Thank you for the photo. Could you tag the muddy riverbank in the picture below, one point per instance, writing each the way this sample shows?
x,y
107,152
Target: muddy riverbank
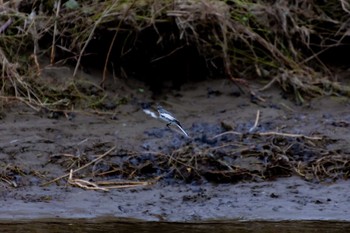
x,y
39,146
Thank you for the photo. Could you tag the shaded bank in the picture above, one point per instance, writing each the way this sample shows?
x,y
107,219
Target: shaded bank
x,y
294,44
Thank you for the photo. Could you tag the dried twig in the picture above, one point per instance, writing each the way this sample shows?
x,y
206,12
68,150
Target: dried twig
x,y
105,185
53,46
5,25
83,183
226,133
289,135
81,168
113,41
98,21
272,133
126,184
267,86
256,122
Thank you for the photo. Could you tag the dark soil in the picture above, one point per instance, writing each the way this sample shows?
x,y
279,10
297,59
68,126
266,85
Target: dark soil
x,y
292,166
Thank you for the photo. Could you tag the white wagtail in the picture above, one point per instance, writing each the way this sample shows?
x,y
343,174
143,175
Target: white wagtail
x,y
169,118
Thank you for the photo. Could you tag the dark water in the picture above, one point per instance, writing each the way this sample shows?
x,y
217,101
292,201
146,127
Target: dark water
x,y
135,227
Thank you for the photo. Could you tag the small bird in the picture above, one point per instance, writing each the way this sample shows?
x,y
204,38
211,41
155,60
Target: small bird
x,y
169,118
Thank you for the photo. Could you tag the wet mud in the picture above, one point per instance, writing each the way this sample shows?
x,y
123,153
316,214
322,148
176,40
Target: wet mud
x,y
246,158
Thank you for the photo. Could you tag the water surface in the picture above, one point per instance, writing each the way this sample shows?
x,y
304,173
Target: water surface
x,y
50,226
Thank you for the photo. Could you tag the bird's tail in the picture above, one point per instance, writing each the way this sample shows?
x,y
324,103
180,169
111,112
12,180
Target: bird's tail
x,y
182,130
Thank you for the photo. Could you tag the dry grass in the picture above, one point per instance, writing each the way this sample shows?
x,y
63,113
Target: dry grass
x,y
279,41
234,157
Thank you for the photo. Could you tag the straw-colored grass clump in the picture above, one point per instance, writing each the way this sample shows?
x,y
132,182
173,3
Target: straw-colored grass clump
x,y
280,42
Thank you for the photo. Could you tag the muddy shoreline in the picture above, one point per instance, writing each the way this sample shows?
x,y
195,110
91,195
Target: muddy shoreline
x,y
37,147
288,199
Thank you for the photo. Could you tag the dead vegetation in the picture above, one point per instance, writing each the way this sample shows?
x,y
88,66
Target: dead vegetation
x,y
281,41
227,158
